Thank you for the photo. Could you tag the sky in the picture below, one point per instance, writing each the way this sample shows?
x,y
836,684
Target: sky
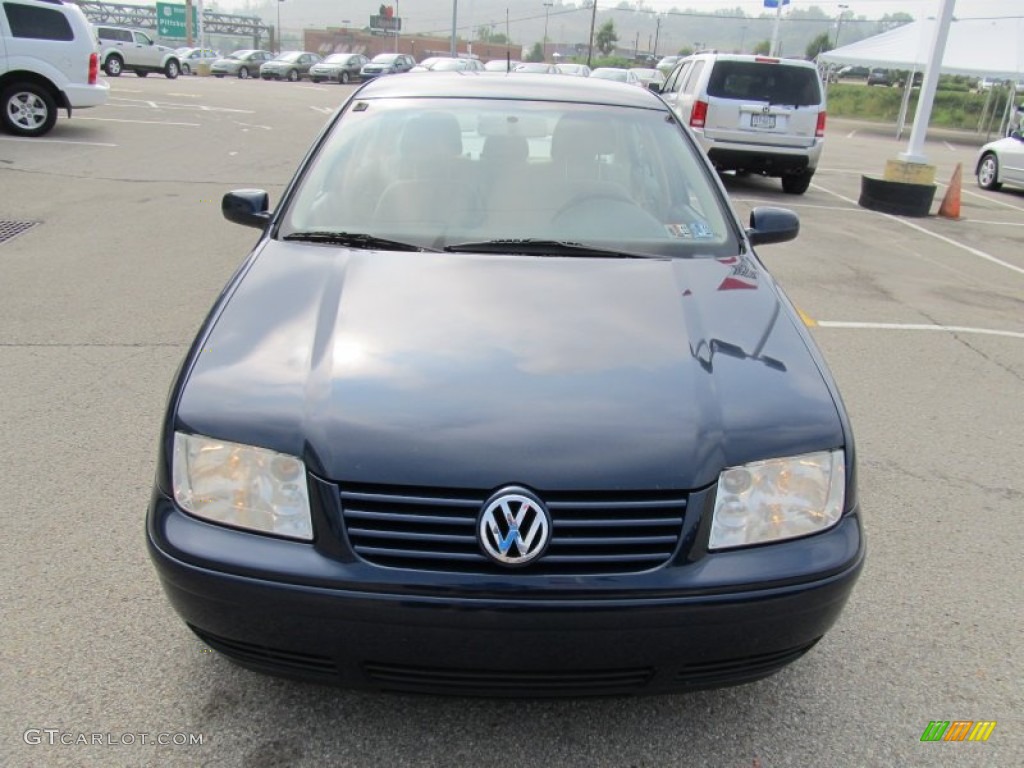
x,y
872,9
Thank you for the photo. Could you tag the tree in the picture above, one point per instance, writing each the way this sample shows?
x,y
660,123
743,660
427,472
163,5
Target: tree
x,y
536,53
763,48
606,37
820,44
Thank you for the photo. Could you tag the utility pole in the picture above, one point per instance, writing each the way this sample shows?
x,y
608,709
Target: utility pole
x,y
657,33
593,19
455,16
774,50
547,8
839,23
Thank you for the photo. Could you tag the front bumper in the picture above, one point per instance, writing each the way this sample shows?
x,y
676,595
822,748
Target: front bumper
x,y
335,619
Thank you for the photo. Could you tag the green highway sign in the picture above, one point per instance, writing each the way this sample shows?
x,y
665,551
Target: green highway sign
x,y
170,20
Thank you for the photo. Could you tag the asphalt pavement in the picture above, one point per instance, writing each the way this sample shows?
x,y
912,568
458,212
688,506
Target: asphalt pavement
x,y
921,320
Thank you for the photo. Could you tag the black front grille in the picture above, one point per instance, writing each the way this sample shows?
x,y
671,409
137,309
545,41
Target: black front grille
x,y
435,530
509,682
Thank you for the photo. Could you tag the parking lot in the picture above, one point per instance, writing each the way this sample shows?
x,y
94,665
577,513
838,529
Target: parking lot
x,y
921,320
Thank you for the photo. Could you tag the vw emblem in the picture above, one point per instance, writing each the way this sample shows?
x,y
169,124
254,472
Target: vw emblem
x,y
514,528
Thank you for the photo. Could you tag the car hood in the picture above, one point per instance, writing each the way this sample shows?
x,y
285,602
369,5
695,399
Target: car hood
x,y
474,371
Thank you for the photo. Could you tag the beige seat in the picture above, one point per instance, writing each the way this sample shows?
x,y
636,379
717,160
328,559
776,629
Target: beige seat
x,y
435,188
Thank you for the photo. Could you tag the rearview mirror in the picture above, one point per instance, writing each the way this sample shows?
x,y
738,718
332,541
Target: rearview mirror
x,y
248,207
772,225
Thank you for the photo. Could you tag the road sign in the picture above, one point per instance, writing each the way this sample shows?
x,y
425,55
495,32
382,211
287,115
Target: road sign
x,y
170,20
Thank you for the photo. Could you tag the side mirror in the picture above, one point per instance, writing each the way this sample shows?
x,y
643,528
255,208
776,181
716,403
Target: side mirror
x,y
1017,135
655,87
248,207
772,225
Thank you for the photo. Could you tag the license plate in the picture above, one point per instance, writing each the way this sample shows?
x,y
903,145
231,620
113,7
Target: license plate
x,y
762,121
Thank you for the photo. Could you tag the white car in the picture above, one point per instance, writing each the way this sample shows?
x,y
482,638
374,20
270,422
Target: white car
x,y
48,62
133,50
191,58
1001,162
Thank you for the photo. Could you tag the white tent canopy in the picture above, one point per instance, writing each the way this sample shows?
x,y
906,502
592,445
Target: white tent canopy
x,y
977,47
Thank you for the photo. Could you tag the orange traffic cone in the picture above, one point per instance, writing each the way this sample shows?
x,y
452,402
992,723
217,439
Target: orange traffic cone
x,y
950,207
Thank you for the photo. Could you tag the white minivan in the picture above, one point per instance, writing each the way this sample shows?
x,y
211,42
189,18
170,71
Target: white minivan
x,y
753,114
48,61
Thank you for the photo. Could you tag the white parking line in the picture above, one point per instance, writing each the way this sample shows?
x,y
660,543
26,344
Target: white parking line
x,y
324,110
131,103
141,122
992,199
973,251
59,141
949,146
911,327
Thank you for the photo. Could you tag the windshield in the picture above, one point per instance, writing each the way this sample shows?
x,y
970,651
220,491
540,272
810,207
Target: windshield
x,y
288,56
338,58
385,58
441,172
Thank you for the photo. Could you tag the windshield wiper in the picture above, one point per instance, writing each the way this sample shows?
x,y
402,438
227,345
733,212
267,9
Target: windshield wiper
x,y
531,247
355,240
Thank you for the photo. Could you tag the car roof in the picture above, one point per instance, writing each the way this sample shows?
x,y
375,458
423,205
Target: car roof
x,y
755,58
520,85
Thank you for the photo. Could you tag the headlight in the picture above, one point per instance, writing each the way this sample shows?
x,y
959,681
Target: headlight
x,y
778,499
241,486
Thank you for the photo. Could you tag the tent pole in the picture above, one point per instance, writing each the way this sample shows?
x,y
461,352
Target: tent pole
x,y
915,149
904,104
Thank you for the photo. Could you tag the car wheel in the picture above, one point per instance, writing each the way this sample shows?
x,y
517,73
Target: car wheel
x,y
243,73
28,109
113,66
343,78
796,183
185,69
171,70
293,75
988,172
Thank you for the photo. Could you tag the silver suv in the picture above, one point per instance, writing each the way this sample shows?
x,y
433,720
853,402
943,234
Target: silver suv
x,y
133,50
47,62
753,114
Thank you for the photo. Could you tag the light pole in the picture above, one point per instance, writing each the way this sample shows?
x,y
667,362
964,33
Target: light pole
x,y
547,7
839,24
278,30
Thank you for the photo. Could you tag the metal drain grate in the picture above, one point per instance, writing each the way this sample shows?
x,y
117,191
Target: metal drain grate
x,y
11,229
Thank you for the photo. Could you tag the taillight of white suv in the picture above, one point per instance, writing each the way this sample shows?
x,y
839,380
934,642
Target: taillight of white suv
x,y
94,68
699,114
819,130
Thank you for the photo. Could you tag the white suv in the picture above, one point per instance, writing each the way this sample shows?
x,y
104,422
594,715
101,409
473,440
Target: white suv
x,y
753,114
48,62
130,49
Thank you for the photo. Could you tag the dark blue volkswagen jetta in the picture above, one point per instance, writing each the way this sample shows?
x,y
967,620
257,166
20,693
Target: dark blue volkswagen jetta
x,y
503,402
